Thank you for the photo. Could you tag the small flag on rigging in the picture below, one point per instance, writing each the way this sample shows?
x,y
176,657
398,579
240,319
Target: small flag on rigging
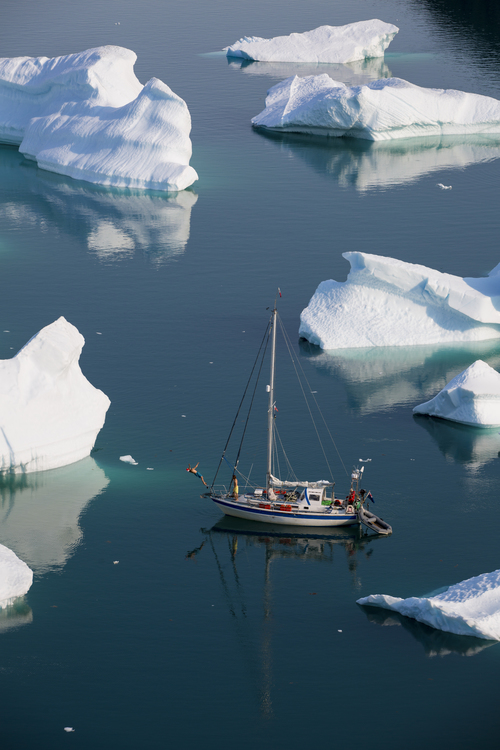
x,y
370,497
279,291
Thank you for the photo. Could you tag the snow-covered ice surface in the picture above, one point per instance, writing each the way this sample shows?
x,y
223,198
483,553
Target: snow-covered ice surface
x,y
87,116
471,607
326,44
381,110
15,577
49,412
472,397
388,302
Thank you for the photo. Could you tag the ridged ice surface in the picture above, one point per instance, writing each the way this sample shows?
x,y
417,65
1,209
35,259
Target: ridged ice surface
x,y
381,110
471,607
472,397
388,302
49,412
326,44
87,116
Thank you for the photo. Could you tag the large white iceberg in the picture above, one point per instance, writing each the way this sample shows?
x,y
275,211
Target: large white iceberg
x,y
326,44
471,607
388,302
49,412
87,116
15,577
473,398
378,111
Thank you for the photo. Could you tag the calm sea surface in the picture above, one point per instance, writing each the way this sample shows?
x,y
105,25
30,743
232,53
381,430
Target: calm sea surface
x,y
209,633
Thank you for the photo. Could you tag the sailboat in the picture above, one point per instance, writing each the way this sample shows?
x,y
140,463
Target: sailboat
x,y
294,503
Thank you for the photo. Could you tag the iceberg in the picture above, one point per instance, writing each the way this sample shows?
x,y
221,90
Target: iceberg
x,y
49,412
87,116
472,398
326,44
389,302
378,111
471,607
15,577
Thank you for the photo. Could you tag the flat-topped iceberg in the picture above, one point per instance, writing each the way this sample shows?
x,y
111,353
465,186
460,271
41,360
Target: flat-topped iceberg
x,y
87,116
378,111
473,398
49,412
15,577
388,302
471,607
326,44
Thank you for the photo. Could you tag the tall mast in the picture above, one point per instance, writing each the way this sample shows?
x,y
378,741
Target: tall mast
x,y
270,415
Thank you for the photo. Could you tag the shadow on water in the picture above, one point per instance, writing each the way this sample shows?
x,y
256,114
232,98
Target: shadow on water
x,y
39,512
368,165
379,379
114,222
435,642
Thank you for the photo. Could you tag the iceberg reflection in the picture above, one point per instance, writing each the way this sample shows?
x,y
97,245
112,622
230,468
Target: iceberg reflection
x,y
367,165
16,614
114,222
381,378
471,446
39,512
353,73
435,642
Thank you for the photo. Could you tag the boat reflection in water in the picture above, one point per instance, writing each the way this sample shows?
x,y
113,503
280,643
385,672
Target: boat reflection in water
x,y
232,540
435,642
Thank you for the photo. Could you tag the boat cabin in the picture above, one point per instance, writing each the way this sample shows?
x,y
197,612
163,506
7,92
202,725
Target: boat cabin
x,y
315,497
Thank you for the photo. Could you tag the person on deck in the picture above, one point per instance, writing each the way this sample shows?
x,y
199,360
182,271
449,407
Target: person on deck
x,y
196,473
235,489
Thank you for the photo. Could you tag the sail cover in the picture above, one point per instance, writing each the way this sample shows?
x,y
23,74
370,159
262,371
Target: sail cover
x,y
314,485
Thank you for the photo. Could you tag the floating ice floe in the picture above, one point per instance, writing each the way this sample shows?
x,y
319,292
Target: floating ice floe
x,y
49,412
326,44
379,111
473,398
87,116
388,302
471,607
15,577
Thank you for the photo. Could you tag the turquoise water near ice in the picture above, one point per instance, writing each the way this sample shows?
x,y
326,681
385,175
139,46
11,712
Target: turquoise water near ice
x,y
210,633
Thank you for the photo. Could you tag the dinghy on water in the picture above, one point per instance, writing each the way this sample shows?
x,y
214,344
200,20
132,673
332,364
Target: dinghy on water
x,y
291,502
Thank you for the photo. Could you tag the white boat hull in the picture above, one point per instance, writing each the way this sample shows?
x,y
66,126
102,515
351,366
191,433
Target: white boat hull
x,y
285,518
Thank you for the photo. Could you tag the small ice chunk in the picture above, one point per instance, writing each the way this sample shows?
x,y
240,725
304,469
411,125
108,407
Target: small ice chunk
x,y
128,460
471,607
149,468
69,729
326,44
444,187
472,397
115,562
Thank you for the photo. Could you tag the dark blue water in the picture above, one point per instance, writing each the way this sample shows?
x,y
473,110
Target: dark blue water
x,y
214,634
